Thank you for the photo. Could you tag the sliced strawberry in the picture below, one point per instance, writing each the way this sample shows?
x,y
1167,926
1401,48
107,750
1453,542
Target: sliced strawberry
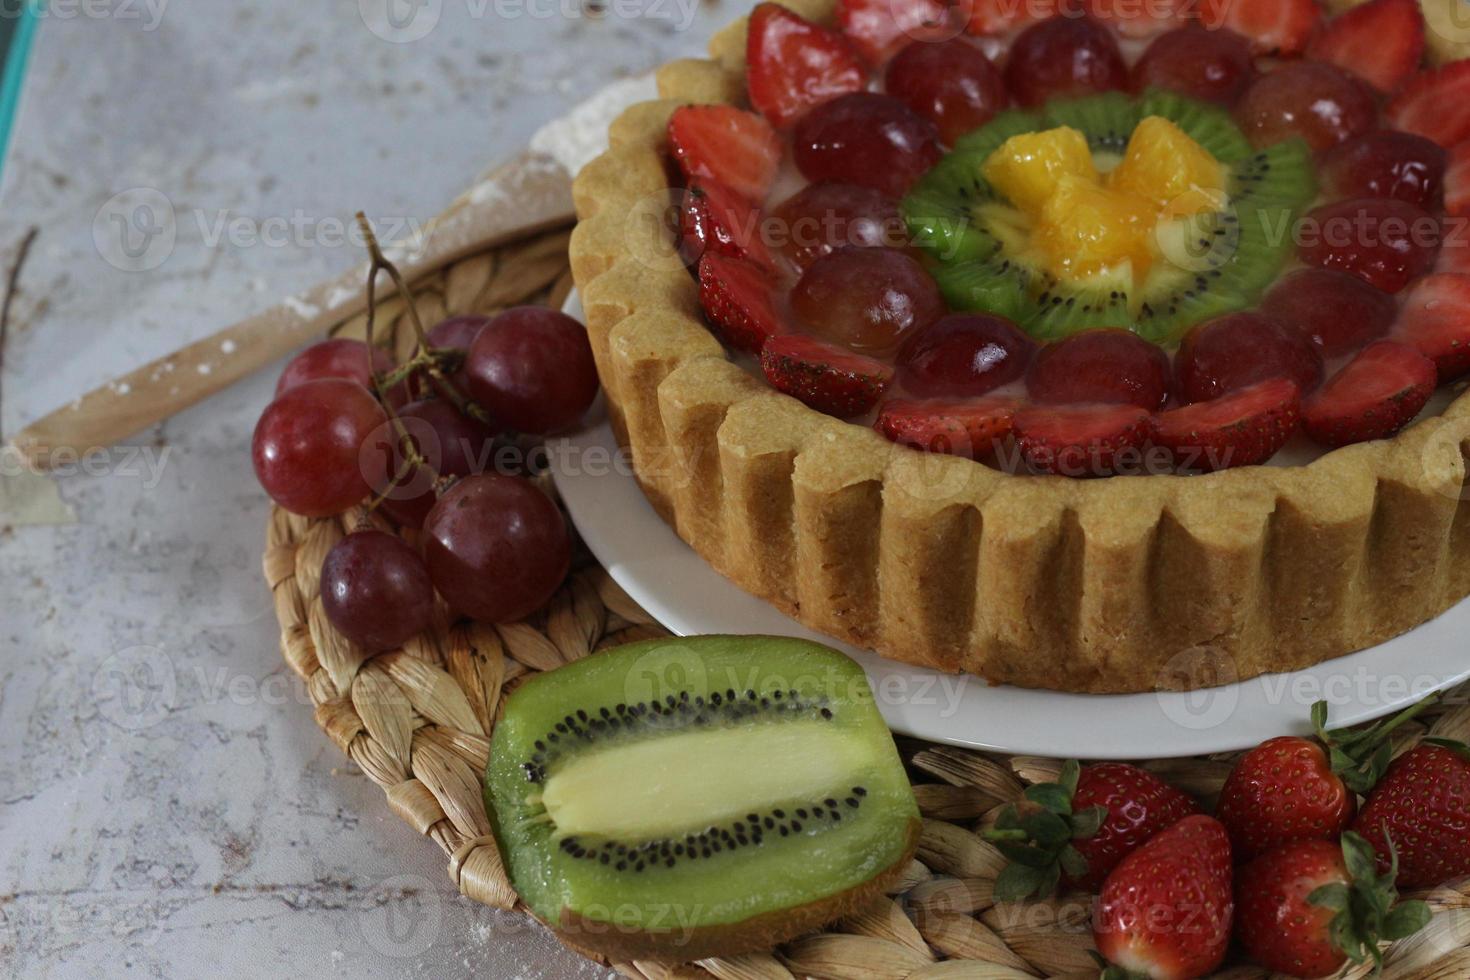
x,y
715,218
823,376
1435,321
964,427
880,28
1457,188
739,299
1382,42
1003,16
1273,26
1137,19
793,64
719,142
1377,394
1435,104
1243,428
1087,440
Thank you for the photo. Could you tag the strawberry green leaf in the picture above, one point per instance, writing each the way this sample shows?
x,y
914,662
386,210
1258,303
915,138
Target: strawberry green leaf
x,y
1406,920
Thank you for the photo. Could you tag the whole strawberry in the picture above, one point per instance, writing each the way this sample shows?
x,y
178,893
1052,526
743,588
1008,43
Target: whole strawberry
x,y
1165,912
1293,788
1080,827
1307,907
1422,804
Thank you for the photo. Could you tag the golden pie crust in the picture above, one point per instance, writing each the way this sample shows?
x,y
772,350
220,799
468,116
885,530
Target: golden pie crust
x,y
1119,585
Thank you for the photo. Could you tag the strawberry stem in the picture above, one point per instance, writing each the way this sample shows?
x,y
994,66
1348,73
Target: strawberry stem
x,y
1360,756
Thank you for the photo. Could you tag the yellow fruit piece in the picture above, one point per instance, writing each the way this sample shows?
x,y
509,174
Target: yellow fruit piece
x,y
1027,168
1168,168
1086,228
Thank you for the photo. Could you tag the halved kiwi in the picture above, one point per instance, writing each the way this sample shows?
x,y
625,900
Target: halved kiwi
x,y
698,797
1213,263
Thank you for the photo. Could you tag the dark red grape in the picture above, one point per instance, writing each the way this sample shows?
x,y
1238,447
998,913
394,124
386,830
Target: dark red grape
x,y
1063,57
1100,366
1385,243
532,370
1388,163
950,83
410,504
868,139
1321,103
1210,65
376,590
1339,312
456,333
823,217
1237,350
964,354
309,445
497,548
341,358
866,299
450,443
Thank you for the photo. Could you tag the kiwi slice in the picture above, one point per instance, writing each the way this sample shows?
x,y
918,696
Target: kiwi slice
x,y
697,797
1106,120
1066,309
1208,125
978,145
939,211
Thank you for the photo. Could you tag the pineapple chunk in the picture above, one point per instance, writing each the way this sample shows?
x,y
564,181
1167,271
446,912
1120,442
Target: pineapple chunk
x,y
1168,168
1027,168
1086,228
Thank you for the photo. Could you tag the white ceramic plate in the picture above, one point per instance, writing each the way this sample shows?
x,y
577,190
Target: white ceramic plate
x,y
674,584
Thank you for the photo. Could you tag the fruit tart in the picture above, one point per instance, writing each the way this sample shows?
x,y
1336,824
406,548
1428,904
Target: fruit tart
x,y
1084,346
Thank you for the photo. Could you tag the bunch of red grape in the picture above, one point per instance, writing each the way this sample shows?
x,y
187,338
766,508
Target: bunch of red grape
x,y
419,442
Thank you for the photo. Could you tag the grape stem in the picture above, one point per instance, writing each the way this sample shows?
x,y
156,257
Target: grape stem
x,y
412,459
425,358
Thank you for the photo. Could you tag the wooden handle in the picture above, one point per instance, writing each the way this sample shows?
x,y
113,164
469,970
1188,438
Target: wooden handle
x,y
528,195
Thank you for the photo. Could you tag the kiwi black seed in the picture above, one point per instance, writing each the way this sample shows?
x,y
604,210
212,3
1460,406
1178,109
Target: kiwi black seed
x,y
750,788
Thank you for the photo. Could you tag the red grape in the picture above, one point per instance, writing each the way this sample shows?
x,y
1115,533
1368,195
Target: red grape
x,y
341,358
868,139
1339,312
964,354
497,548
451,443
456,333
823,217
1063,57
1210,65
1388,163
867,299
410,504
1321,103
950,83
532,370
307,445
1385,243
1239,349
1100,366
376,590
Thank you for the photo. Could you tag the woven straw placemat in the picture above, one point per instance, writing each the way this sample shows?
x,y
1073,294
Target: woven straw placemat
x,y
417,721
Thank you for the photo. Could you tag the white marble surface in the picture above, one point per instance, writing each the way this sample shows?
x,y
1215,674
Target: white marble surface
x,y
167,806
